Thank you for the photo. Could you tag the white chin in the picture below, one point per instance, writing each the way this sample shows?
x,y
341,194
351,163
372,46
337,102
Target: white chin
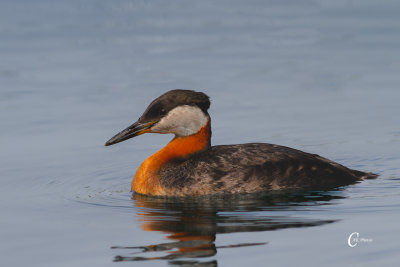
x,y
182,121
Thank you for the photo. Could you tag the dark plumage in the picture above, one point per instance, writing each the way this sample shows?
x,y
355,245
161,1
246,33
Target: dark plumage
x,y
256,167
188,165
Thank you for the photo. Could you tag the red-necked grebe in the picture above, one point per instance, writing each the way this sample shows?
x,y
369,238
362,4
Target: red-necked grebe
x,y
190,166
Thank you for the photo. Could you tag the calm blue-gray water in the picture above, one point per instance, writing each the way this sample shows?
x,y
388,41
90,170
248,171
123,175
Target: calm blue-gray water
x,y
317,75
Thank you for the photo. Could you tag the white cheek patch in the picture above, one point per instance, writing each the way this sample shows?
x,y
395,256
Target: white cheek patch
x,y
181,121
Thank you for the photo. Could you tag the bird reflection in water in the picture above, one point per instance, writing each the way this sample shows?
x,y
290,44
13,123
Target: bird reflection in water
x,y
192,223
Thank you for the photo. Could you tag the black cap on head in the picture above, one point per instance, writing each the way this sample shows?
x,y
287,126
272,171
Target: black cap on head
x,y
172,99
159,108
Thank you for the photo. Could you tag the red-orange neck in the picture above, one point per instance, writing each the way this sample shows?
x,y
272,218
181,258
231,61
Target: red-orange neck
x,y
146,180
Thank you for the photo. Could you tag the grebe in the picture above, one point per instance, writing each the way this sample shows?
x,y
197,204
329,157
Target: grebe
x,y
190,166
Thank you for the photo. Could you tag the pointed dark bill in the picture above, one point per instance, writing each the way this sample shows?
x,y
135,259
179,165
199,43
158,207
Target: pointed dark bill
x,y
134,130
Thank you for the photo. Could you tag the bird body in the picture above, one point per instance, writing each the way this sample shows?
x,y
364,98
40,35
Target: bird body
x,y
151,179
190,166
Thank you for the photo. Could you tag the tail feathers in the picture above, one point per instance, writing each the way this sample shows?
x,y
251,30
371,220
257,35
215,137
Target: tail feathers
x,y
370,175
365,175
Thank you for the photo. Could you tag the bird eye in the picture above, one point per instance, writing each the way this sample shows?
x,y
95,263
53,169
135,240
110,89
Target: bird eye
x,y
163,111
